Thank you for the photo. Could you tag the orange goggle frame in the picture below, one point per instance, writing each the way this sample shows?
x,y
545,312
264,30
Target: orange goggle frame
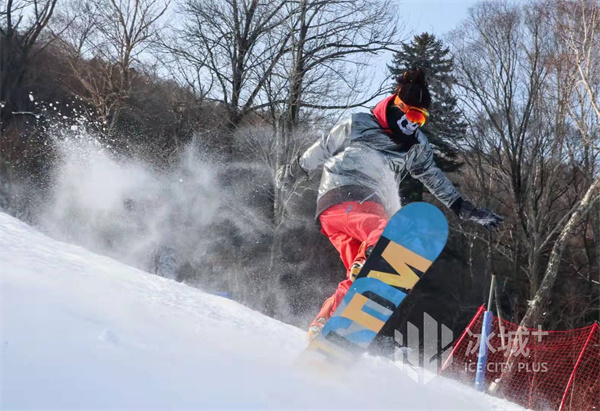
x,y
413,114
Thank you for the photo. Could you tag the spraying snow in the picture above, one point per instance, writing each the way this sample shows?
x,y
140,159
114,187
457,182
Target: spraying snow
x,y
84,331
125,209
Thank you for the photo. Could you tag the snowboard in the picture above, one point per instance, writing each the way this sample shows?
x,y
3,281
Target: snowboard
x,y
412,240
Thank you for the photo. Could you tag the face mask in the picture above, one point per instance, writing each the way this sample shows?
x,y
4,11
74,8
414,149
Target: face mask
x,y
406,126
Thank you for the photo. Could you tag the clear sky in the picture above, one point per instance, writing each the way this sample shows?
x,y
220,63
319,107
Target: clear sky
x,y
434,16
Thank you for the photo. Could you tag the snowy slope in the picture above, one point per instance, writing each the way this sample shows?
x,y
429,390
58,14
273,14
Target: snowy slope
x,y
83,331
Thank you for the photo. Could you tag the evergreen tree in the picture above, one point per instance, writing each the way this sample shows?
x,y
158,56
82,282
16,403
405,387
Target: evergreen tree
x,y
445,128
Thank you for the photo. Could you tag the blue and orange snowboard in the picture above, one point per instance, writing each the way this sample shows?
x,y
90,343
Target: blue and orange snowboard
x,y
413,238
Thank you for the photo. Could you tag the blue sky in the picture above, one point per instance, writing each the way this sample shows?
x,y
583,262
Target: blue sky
x,y
434,16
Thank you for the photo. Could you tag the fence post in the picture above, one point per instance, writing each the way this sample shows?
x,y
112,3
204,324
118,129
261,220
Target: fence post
x,y
486,328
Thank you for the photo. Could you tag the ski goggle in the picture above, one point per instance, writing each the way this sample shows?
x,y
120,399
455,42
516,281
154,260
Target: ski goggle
x,y
413,114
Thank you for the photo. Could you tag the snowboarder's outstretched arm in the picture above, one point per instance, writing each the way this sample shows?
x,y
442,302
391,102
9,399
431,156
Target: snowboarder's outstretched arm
x,y
421,166
327,146
316,155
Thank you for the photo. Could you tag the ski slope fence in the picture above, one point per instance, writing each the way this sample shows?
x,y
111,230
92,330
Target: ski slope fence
x,y
537,369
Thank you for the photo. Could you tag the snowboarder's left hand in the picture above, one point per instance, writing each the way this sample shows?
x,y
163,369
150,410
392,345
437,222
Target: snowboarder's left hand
x,y
467,211
289,174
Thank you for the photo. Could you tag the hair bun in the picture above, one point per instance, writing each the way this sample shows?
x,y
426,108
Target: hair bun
x,y
415,76
412,88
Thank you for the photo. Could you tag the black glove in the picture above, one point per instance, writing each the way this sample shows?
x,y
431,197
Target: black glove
x,y
467,211
289,174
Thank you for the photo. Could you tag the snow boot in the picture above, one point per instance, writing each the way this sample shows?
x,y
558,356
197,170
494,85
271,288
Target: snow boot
x,y
316,327
363,253
356,267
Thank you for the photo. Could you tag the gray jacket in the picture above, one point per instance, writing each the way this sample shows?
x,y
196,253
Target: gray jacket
x,y
362,162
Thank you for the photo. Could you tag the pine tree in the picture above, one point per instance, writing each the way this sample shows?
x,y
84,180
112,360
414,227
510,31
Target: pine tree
x,y
445,129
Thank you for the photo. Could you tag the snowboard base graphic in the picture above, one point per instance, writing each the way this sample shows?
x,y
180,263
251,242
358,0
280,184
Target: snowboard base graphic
x,y
413,238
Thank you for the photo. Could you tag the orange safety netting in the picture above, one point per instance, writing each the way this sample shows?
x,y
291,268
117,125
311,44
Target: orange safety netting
x,y
537,369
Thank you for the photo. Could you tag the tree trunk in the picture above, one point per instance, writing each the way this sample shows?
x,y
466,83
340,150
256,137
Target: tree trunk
x,y
279,160
533,314
535,311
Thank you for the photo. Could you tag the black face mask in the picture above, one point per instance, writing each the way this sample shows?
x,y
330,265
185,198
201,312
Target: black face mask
x,y
398,123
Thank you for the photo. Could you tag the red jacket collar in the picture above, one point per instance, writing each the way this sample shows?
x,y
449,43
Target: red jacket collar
x,y
380,111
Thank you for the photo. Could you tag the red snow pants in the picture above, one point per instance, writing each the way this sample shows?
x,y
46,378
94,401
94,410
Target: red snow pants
x,y
352,227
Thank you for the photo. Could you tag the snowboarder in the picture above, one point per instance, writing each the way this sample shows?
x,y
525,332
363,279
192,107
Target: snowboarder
x,y
365,157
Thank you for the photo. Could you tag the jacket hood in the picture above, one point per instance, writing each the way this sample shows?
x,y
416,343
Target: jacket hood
x,y
380,111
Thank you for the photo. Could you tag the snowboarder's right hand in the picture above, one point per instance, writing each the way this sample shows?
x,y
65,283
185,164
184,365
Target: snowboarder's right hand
x,y
288,175
467,211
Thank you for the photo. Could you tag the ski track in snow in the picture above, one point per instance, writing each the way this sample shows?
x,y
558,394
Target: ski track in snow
x,y
83,331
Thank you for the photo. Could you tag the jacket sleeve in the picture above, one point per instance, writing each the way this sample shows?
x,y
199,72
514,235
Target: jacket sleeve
x,y
327,146
420,165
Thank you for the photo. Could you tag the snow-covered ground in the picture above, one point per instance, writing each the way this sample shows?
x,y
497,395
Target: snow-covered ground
x,y
84,331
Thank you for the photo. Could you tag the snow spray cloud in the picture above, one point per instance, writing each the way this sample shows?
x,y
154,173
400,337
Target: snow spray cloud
x,y
123,208
200,221
203,221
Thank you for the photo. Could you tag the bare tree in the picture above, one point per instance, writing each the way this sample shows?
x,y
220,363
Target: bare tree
x,y
517,136
232,45
21,25
529,83
578,25
104,42
329,46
